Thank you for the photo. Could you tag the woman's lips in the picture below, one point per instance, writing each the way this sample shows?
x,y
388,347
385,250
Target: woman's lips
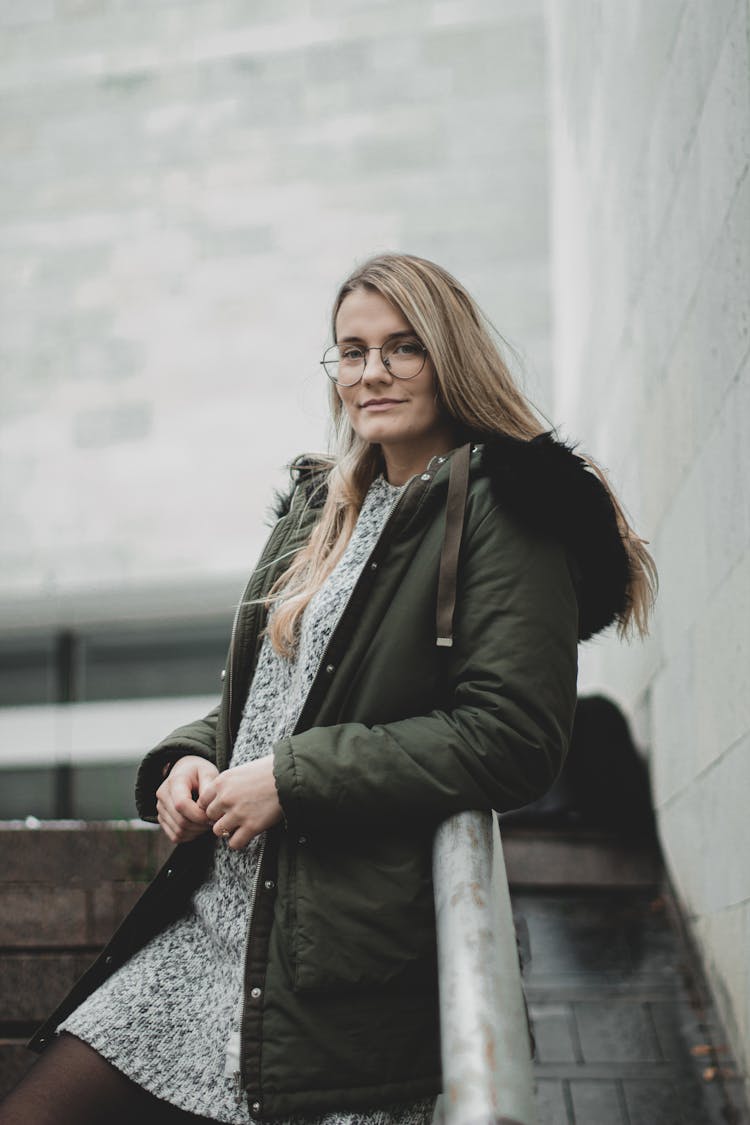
x,y
381,404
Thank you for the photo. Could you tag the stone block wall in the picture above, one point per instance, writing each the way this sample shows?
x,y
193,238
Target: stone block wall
x,y
651,203
63,891
184,186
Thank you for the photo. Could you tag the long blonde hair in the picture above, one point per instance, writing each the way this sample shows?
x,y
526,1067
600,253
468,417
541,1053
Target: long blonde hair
x,y
474,387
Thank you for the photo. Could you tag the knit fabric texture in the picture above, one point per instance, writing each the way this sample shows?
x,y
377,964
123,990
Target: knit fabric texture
x,y
169,1018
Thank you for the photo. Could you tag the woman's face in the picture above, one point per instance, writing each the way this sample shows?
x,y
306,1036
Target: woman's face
x,y
400,415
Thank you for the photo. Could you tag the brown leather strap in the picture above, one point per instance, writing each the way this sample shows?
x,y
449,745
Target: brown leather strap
x,y
458,487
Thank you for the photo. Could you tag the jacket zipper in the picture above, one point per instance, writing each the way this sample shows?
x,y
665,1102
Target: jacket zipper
x,y
391,517
239,1075
275,535
271,543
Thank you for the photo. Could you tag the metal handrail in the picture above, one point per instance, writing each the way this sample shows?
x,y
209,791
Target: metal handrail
x,y
487,1069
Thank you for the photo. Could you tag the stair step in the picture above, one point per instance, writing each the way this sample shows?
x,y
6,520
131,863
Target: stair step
x,y
554,858
78,853
33,984
15,1060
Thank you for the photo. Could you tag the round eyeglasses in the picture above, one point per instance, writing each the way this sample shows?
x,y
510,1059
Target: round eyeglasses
x,y
403,357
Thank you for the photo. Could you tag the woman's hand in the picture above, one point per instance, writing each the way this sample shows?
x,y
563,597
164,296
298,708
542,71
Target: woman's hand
x,y
242,802
178,811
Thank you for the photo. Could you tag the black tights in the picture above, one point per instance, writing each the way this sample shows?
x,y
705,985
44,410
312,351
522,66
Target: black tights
x,y
71,1084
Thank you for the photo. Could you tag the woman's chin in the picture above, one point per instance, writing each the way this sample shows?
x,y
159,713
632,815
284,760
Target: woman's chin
x,y
379,432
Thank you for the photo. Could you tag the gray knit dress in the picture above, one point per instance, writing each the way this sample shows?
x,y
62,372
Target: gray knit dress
x,y
169,1018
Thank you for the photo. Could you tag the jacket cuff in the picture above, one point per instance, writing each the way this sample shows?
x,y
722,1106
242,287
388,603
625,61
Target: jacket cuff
x,y
287,783
151,774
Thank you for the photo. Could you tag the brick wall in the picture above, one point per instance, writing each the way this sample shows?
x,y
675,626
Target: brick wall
x,y
651,141
63,891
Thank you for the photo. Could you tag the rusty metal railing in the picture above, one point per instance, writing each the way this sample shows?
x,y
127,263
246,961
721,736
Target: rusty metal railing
x,y
487,1070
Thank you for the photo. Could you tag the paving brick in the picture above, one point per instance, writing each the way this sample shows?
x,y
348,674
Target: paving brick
x,y
616,1035
554,1034
597,1102
551,1105
654,1103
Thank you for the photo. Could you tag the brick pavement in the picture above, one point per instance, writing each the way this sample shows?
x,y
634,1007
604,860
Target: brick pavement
x,y
625,1028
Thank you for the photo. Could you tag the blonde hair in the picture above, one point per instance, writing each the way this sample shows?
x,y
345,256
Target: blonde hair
x,y
474,387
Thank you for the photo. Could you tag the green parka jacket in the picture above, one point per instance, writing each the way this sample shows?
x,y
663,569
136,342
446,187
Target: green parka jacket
x,y
397,733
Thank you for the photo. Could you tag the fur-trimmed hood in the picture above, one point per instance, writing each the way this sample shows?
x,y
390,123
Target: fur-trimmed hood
x,y
546,487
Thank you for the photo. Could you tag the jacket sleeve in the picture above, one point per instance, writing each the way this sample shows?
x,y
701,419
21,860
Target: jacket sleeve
x,y
198,738
510,697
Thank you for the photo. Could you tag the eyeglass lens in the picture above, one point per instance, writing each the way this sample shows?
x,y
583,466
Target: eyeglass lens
x,y
346,363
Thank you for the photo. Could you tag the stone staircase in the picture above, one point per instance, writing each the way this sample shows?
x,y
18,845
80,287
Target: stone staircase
x,y
626,1031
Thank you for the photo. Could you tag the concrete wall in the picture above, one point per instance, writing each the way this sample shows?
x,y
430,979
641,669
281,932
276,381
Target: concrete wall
x,y
651,140
184,185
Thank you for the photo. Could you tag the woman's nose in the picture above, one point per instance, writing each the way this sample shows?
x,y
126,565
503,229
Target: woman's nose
x,y
375,367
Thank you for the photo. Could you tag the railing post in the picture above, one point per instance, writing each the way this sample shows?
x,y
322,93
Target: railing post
x,y
487,1070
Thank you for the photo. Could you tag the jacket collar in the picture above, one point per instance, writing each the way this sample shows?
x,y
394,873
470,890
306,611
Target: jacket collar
x,y
548,489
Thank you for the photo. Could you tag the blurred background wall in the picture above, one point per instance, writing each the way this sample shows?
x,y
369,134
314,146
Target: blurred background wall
x,y
651,197
185,184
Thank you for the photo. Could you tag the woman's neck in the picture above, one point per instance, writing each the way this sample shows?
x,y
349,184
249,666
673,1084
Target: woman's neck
x,y
402,463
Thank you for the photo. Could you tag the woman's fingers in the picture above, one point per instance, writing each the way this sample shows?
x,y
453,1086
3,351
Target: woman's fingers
x,y
207,793
176,796
180,835
169,821
243,801
237,836
240,838
168,825
216,810
186,809
178,828
178,811
223,827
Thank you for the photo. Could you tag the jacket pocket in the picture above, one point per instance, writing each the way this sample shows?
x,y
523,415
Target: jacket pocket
x,y
359,915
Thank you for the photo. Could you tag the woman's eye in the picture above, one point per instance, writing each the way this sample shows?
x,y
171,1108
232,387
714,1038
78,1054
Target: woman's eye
x,y
352,354
408,347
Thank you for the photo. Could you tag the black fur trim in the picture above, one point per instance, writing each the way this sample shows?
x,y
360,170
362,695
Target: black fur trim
x,y
549,489
307,473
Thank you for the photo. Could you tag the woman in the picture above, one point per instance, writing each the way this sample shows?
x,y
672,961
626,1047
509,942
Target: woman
x,y
404,650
